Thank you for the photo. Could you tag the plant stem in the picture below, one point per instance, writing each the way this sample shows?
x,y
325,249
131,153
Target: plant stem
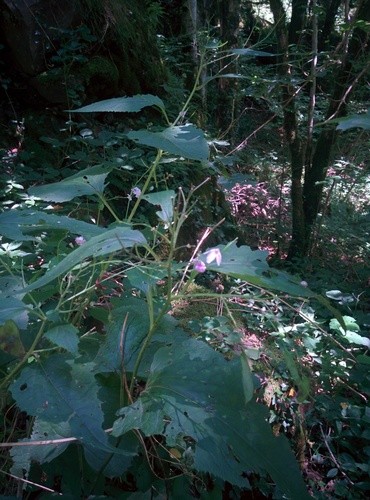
x,y
151,174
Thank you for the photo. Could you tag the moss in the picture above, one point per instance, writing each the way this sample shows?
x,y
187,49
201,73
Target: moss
x,y
129,32
101,77
101,66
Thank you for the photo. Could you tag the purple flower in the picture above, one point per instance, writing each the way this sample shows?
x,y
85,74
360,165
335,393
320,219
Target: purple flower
x,y
80,240
200,266
136,192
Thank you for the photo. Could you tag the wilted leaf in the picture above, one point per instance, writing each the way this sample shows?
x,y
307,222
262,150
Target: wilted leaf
x,y
10,340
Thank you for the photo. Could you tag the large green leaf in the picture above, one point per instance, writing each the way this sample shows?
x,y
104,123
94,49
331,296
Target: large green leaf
x,y
192,391
64,336
15,310
251,53
122,104
165,199
251,265
145,277
128,326
183,140
355,121
112,240
17,224
87,182
63,396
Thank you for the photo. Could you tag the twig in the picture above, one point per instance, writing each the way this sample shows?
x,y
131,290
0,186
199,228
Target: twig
x,y
31,482
333,457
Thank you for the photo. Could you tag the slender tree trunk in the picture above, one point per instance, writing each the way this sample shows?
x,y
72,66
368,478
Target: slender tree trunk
x,y
295,143
345,80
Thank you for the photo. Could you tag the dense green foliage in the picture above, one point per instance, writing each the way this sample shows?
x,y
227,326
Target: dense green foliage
x,y
144,353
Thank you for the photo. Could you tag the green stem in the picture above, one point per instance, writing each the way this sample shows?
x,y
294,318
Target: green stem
x,y
146,184
194,89
108,207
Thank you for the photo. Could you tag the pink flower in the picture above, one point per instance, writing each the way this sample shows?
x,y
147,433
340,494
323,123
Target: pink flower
x,y
136,192
200,266
80,240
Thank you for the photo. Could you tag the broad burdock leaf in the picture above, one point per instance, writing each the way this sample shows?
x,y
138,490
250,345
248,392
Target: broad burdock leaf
x,y
165,199
251,266
63,397
144,277
65,336
184,140
355,121
15,310
10,285
128,327
193,391
111,241
251,53
87,182
20,225
122,104
23,456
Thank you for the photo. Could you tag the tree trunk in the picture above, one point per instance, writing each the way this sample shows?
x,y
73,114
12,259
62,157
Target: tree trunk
x,y
291,132
305,158
345,80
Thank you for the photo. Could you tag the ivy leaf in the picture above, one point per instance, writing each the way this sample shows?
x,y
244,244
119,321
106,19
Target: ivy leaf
x,y
122,104
17,224
87,182
112,240
183,140
193,391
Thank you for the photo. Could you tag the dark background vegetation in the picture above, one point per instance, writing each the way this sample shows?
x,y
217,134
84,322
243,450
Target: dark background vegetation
x,y
283,175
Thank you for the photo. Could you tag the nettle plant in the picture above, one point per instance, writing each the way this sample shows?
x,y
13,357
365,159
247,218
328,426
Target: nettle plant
x,y
136,397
